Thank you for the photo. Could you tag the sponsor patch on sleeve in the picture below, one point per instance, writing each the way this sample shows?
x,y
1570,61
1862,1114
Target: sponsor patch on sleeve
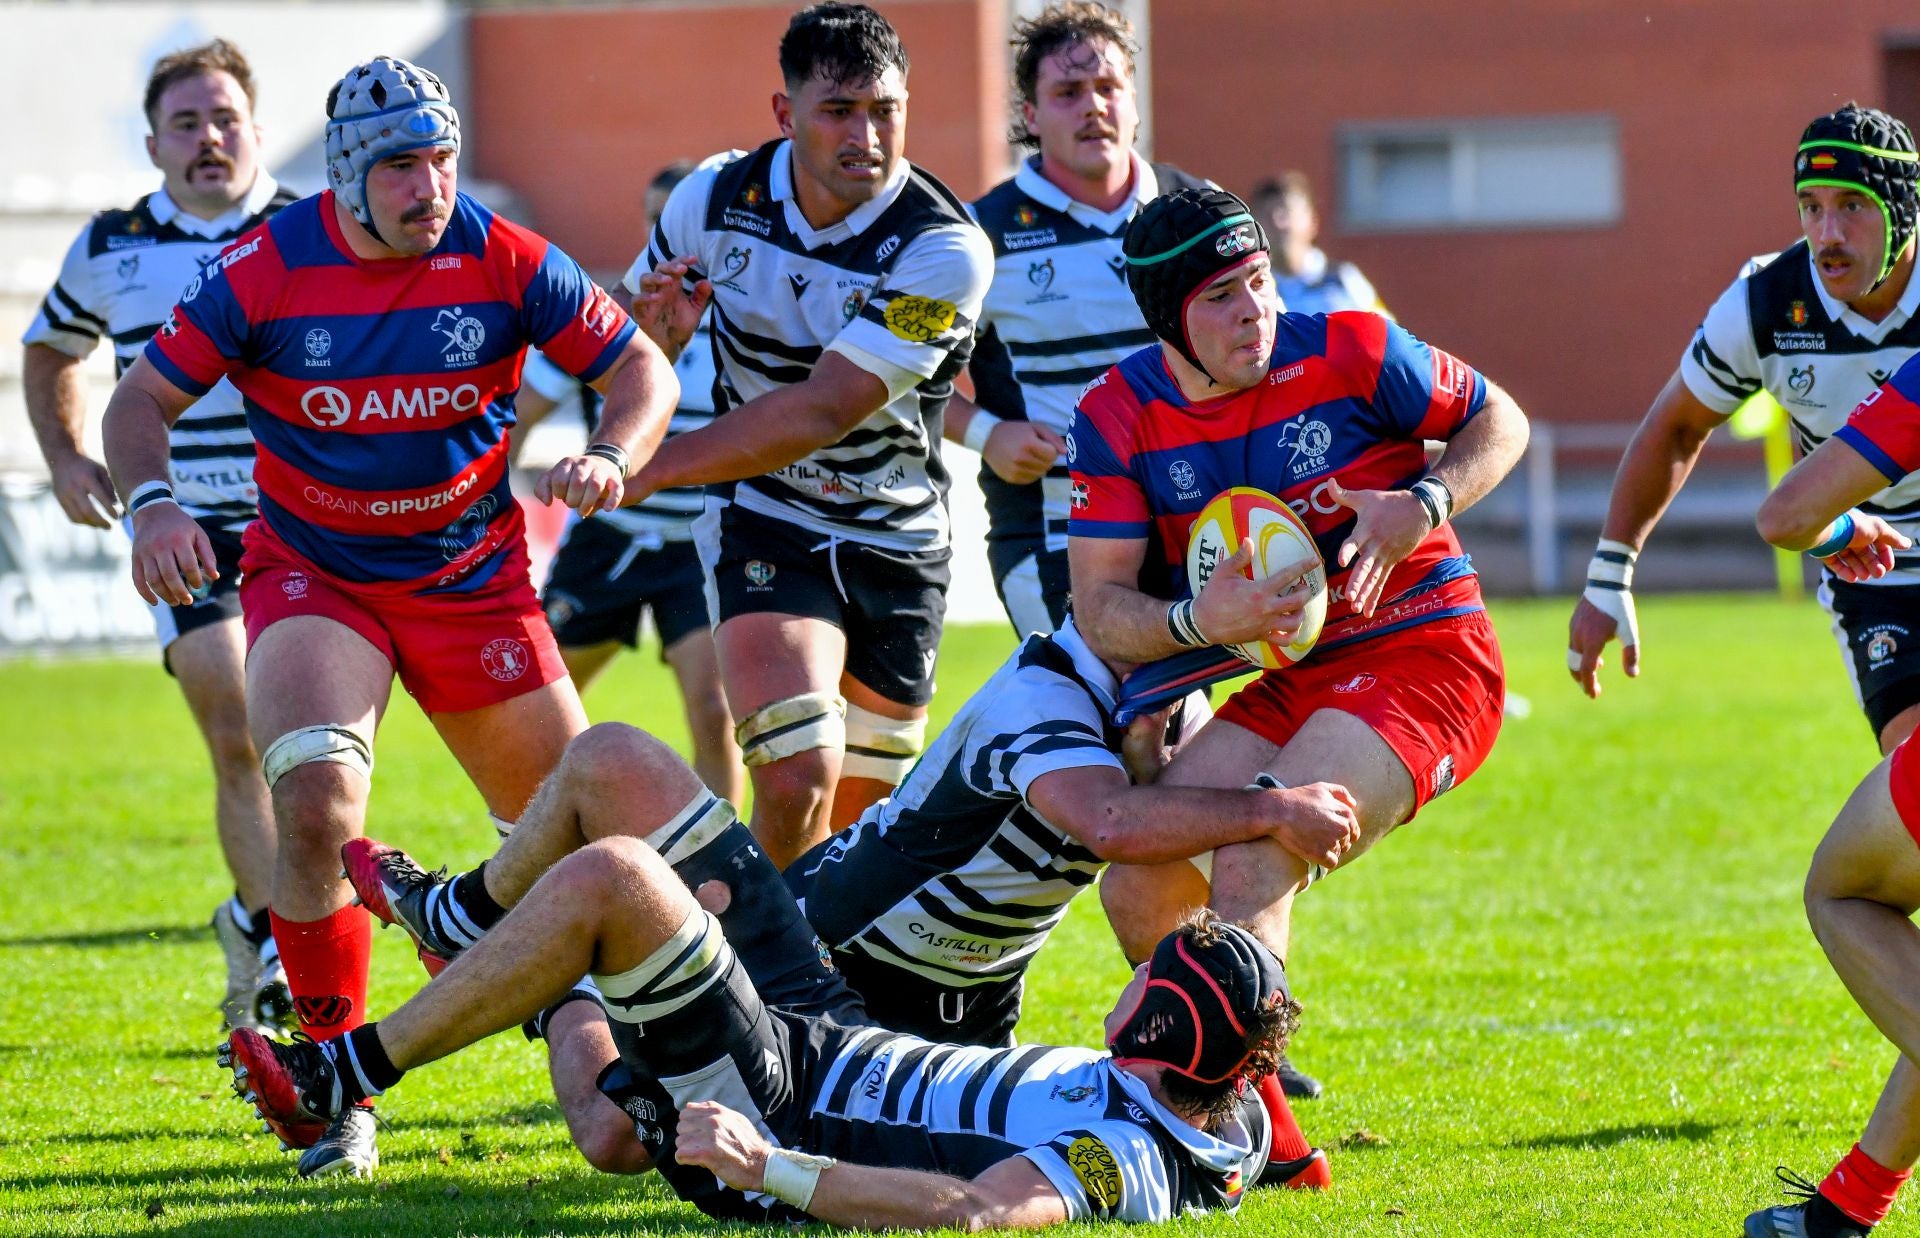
x,y
1099,1174
920,320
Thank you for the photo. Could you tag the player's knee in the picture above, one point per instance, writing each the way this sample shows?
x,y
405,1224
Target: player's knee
x,y
231,746
785,730
604,758
334,750
605,1136
791,789
881,748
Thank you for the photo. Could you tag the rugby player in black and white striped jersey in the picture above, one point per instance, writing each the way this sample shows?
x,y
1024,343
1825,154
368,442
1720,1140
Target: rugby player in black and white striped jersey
x,y
120,279
1059,312
843,285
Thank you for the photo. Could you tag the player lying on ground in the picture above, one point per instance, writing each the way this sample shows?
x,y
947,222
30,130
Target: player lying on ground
x,y
1008,816
1401,699
1864,884
377,332
754,1113
1818,327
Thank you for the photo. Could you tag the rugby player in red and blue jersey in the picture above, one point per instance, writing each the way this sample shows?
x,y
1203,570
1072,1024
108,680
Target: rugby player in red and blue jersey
x,y
376,332
1401,699
1864,884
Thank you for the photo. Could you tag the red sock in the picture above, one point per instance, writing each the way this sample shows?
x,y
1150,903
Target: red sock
x,y
1289,1143
1862,1187
327,963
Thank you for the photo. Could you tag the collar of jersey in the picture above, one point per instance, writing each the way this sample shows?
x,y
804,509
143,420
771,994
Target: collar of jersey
x,y
780,186
166,211
1095,672
1217,1154
1146,187
1874,332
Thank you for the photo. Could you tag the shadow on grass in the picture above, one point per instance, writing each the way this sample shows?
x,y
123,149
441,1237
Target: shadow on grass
x,y
161,934
1608,1136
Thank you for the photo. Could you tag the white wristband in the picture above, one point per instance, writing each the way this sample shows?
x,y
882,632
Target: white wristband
x,y
792,1177
978,429
1610,591
148,493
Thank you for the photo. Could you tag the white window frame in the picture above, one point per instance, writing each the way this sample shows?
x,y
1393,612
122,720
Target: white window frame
x,y
1357,142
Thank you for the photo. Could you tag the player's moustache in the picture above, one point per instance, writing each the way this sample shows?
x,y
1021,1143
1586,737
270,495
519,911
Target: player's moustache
x,y
1834,251
423,210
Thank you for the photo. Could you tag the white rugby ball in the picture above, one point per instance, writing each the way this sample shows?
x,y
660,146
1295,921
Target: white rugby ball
x,y
1280,544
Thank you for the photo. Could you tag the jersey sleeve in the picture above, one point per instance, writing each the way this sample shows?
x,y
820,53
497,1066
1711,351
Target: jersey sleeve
x,y
1885,428
923,310
72,317
571,319
1106,499
1037,727
1107,1171
206,336
1419,391
1721,366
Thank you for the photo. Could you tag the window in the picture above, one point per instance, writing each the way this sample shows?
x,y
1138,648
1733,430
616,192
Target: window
x,y
1546,172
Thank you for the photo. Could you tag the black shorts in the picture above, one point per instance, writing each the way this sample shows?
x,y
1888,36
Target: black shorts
x,y
904,1001
890,603
605,576
1878,627
729,1046
221,604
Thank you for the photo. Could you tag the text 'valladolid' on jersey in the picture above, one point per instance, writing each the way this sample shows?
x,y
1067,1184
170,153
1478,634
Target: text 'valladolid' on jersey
x,y
895,287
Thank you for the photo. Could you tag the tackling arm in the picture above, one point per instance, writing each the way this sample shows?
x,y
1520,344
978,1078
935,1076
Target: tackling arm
x,y
1123,624
1812,509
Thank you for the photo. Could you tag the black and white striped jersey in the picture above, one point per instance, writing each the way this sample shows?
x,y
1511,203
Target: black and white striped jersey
x,y
955,877
1096,1131
1058,316
1776,329
121,276
895,288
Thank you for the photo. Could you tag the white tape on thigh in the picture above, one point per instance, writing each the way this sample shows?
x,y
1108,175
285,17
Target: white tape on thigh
x,y
338,745
795,725
686,965
881,748
501,825
704,819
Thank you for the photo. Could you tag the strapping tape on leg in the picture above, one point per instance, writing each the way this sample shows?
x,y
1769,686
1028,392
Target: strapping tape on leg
x,y
797,724
686,965
881,748
338,745
501,825
692,828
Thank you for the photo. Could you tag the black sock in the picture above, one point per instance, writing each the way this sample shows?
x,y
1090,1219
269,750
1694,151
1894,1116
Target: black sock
x,y
469,892
362,1064
1823,1219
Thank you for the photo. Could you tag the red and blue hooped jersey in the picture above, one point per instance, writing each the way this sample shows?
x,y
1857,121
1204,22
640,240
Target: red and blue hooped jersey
x,y
380,391
1885,427
1348,396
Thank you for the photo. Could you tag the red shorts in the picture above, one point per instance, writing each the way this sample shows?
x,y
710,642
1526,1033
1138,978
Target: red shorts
x,y
1903,779
1434,692
452,651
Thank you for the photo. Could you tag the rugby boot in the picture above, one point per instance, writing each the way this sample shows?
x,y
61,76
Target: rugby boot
x,y
1812,1215
395,890
257,995
291,1085
1306,1173
348,1147
1295,1082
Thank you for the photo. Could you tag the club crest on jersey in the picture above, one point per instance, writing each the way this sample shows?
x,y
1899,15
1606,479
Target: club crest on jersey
x,y
1309,441
505,659
319,344
761,573
1181,474
1073,1095
736,263
1041,275
1797,314
1882,645
465,334
1800,381
1077,494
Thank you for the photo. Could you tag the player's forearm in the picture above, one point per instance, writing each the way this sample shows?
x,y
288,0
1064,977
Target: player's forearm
x,y
641,395
134,434
959,415
56,402
1160,824
1122,624
1802,510
1657,462
1484,451
768,432
869,1197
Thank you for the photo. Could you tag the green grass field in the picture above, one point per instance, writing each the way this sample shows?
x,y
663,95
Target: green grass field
x,y
1576,996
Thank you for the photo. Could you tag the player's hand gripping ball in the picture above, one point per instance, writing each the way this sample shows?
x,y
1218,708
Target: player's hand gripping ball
x,y
1280,544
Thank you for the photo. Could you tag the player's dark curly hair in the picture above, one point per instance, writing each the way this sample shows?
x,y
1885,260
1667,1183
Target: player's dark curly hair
x,y
1065,24
1268,1031
219,56
847,44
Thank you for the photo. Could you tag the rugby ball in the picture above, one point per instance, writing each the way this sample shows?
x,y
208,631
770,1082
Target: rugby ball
x,y
1280,543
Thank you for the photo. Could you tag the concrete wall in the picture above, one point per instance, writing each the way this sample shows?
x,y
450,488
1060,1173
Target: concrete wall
x,y
1581,324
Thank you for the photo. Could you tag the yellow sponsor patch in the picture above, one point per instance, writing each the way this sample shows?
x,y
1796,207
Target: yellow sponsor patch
x,y
919,319
1098,1172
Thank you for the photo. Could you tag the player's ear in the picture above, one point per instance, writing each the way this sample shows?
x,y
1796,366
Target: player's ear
x,y
153,150
783,113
